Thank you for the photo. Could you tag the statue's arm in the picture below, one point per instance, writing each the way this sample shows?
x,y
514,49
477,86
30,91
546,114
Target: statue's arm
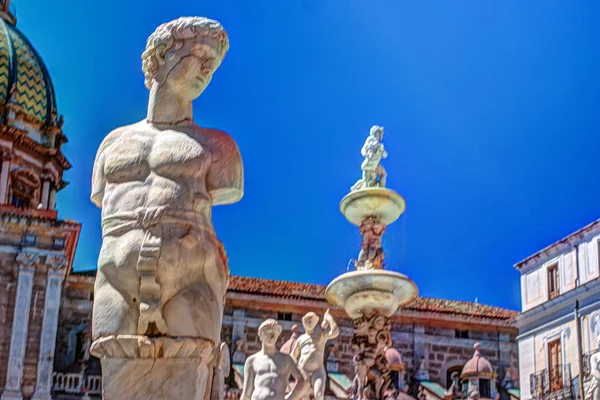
x,y
225,178
98,178
334,330
301,383
248,388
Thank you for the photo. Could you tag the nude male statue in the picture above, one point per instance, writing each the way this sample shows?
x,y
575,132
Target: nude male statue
x,y
162,271
373,173
267,373
309,350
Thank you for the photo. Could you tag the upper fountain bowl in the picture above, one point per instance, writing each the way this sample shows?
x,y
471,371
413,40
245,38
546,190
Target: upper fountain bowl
x,y
380,202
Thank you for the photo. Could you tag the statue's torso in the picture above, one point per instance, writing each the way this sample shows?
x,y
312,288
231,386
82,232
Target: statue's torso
x,y
272,374
312,348
159,169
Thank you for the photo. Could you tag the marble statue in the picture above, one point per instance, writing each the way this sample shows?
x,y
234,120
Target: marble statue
x,y
371,254
267,373
593,391
454,391
373,173
309,350
162,272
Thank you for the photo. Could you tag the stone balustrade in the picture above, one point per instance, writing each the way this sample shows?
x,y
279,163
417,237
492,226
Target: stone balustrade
x,y
74,383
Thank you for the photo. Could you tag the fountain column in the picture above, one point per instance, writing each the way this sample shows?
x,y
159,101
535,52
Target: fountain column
x,y
371,295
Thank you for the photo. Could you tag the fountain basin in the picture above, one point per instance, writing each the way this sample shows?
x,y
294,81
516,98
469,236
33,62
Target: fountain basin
x,y
364,293
382,203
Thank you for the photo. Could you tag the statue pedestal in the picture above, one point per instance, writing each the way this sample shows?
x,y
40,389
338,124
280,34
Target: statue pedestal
x,y
162,368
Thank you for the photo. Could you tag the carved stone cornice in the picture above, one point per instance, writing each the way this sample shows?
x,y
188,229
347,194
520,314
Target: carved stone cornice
x,y
23,142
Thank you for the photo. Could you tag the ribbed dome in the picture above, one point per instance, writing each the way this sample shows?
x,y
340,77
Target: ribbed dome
x,y
477,366
24,81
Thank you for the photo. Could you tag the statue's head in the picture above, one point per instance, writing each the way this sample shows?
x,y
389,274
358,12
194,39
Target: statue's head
x,y
310,321
183,54
269,331
377,132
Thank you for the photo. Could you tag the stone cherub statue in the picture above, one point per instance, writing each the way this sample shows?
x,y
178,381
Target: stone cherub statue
x,y
267,373
593,390
309,350
373,173
162,272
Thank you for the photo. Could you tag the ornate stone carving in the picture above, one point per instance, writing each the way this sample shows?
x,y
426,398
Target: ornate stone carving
x,y
372,372
267,373
371,254
309,350
373,173
56,262
162,272
28,259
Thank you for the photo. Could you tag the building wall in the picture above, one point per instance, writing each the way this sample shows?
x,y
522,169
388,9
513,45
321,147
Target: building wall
x,y
436,343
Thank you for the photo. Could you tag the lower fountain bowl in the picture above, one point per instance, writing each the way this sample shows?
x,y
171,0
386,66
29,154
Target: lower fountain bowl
x,y
364,293
382,203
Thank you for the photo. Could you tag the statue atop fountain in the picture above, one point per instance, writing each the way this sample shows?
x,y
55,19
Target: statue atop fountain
x,y
162,272
309,350
373,173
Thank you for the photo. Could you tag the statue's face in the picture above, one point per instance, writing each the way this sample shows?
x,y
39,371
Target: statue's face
x,y
270,335
189,68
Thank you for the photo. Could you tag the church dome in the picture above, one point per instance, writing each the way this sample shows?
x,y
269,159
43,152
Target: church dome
x,y
26,93
478,366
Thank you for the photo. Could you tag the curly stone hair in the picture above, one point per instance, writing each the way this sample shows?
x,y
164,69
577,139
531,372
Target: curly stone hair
x,y
269,323
173,33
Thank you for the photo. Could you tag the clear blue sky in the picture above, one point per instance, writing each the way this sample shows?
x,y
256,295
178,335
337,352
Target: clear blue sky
x,y
490,110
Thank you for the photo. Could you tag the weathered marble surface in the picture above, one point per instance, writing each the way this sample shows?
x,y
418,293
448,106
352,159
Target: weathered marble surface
x,y
138,367
162,272
309,350
267,373
593,391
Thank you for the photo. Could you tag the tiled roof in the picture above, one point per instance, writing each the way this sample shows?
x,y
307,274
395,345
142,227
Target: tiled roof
x,y
307,291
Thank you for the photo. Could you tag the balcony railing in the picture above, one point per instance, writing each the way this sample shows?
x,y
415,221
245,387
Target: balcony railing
x,y
28,212
552,384
73,383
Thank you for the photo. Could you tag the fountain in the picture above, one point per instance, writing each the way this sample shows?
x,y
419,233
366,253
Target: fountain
x,y
371,295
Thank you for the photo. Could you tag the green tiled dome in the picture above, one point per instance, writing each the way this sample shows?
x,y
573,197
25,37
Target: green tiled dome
x,y
24,80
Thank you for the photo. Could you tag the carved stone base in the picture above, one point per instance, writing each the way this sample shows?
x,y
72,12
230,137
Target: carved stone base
x,y
372,378
162,368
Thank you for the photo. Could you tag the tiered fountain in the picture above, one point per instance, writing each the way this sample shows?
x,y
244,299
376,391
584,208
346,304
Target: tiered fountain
x,y
371,295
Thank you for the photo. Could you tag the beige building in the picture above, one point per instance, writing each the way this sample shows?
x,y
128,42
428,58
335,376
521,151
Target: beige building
x,y
560,291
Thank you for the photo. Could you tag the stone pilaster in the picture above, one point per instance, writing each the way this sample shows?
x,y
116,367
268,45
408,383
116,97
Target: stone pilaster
x,y
56,275
52,198
4,171
18,341
45,193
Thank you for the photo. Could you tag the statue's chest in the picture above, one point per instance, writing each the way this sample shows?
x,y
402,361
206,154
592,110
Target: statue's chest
x,y
266,365
167,153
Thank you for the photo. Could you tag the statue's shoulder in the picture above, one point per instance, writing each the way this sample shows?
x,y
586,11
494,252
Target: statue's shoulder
x,y
121,132
215,138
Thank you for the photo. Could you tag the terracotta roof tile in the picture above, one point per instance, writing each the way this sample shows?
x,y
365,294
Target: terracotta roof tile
x,y
308,291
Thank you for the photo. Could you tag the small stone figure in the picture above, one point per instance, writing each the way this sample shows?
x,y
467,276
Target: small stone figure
x,y
593,391
454,391
267,373
371,254
309,350
373,173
